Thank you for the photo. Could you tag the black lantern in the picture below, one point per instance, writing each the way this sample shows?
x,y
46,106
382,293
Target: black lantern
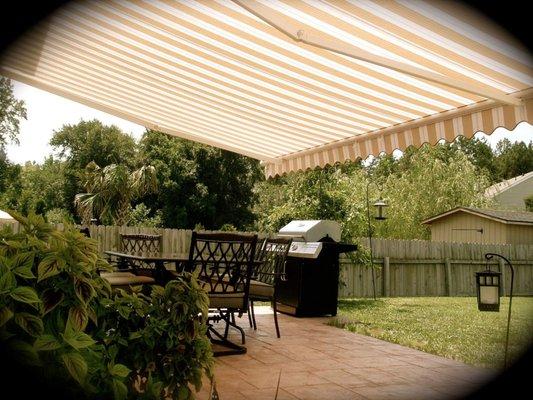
x,y
488,290
380,208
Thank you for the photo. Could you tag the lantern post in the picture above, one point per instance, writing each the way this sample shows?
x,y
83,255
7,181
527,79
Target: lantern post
x,y
380,209
488,284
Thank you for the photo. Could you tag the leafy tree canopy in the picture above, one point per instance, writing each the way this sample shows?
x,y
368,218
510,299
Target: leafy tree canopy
x,y
88,141
85,142
513,159
11,112
424,182
199,184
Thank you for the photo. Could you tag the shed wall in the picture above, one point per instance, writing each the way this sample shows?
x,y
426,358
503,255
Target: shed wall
x,y
462,227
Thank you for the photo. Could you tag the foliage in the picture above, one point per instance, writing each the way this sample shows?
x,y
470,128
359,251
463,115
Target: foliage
x,y
10,182
60,319
49,293
199,184
87,141
447,326
37,188
529,203
167,329
434,181
422,183
58,216
11,112
513,159
140,216
111,190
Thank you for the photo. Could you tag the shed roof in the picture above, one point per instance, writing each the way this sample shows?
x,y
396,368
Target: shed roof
x,y
506,217
294,83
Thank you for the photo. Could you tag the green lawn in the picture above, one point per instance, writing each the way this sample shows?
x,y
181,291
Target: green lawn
x,y
447,326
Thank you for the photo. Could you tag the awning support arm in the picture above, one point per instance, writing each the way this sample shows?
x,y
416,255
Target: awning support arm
x,y
312,38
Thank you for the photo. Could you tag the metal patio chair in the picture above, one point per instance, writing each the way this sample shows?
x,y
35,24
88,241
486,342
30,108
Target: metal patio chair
x,y
272,256
224,262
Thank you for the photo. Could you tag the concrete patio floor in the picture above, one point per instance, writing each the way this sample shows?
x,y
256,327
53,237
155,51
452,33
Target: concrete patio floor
x,y
318,361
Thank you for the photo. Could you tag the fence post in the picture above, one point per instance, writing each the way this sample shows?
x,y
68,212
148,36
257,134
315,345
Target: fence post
x,y
504,281
386,276
448,276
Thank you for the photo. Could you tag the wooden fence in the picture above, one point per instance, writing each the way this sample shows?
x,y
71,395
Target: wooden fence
x,y
402,267
425,268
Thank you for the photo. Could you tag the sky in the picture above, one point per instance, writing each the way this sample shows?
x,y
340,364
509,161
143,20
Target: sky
x,y
48,112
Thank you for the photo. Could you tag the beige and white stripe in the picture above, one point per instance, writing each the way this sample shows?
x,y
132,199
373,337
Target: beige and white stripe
x,y
295,83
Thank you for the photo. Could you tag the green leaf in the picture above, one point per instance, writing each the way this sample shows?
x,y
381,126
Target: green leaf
x,y
78,340
47,268
76,366
77,318
5,315
135,335
25,294
24,352
83,289
30,323
51,299
183,393
120,391
46,343
23,260
24,271
120,370
7,282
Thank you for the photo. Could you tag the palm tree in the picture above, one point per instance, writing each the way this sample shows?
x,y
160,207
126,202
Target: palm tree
x,y
110,191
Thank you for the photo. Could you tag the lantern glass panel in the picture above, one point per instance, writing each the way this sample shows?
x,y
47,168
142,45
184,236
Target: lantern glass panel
x,y
482,280
489,295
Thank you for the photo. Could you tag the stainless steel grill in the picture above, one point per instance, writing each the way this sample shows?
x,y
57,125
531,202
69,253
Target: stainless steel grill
x,y
312,268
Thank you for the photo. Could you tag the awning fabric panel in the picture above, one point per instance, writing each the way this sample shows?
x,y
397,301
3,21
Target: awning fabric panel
x,y
447,129
220,73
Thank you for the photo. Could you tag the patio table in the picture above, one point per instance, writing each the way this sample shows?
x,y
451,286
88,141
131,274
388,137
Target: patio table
x,y
161,272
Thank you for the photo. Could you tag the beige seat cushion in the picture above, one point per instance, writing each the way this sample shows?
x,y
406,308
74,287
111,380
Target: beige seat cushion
x,y
115,273
127,279
261,289
226,300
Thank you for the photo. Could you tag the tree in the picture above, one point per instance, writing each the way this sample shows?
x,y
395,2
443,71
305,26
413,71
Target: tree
x,y
111,191
422,183
90,141
513,159
11,112
199,184
431,185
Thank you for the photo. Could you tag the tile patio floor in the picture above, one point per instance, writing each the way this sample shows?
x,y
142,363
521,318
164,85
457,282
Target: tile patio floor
x,y
318,361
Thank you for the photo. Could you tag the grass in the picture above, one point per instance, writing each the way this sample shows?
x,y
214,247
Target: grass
x,y
451,327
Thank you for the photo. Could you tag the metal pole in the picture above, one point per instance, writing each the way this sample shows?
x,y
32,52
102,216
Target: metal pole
x,y
370,241
489,256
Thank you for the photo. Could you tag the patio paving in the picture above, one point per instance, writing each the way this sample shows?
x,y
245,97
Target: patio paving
x,y
318,361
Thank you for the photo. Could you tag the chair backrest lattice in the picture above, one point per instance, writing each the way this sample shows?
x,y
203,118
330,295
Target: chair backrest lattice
x,y
224,261
273,253
140,244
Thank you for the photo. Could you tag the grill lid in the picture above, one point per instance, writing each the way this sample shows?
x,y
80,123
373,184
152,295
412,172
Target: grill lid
x,y
311,230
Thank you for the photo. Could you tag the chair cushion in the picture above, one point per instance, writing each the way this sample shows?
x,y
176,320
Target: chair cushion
x,y
226,300
261,289
115,273
127,279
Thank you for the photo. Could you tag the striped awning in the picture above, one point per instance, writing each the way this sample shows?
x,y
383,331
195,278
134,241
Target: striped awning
x,y
297,84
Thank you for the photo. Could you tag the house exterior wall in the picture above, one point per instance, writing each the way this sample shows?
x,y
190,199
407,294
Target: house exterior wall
x,y
513,198
449,229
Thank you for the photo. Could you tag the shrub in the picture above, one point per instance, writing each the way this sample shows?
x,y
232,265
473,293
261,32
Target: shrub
x,y
61,320
529,203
